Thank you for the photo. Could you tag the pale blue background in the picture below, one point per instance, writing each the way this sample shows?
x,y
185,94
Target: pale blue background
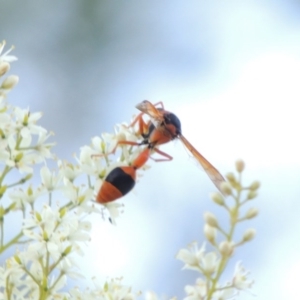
x,y
230,70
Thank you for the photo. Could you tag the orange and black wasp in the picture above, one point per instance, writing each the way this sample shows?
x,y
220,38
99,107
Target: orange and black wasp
x,y
122,179
163,127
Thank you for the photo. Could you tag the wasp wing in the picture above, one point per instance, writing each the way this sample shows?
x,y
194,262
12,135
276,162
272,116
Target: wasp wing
x,y
149,109
210,170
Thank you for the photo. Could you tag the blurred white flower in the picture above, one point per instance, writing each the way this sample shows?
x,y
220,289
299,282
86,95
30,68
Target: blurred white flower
x,y
21,160
8,83
43,149
209,263
68,170
192,256
77,294
26,122
5,57
104,144
150,296
197,291
51,181
114,209
23,197
224,293
116,291
240,280
80,196
89,164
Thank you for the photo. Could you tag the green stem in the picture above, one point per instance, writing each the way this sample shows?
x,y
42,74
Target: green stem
x,y
22,180
225,259
9,288
11,242
2,233
50,198
26,148
19,140
4,173
68,205
53,266
31,276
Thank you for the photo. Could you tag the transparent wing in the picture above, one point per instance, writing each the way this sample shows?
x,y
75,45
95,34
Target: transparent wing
x,y
210,170
149,109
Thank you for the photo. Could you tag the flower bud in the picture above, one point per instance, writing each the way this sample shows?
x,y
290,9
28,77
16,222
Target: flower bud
x,y
17,259
19,156
103,146
26,118
2,190
217,198
29,191
62,212
45,236
38,216
210,219
81,199
10,82
230,177
240,165
210,233
67,250
249,234
4,67
226,188
254,186
102,174
251,213
28,176
226,248
234,214
251,195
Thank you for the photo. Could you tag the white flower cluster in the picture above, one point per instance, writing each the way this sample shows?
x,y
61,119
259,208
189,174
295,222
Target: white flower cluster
x,y
212,264
49,236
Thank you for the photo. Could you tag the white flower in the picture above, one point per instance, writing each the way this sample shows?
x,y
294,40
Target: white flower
x,y
21,160
240,280
116,291
210,233
26,122
150,296
8,83
196,292
89,164
5,57
104,144
7,131
75,293
114,209
79,196
50,180
192,256
209,263
22,197
67,265
69,171
224,293
41,147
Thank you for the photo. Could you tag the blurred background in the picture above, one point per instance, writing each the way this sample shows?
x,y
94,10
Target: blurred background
x,y
229,70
